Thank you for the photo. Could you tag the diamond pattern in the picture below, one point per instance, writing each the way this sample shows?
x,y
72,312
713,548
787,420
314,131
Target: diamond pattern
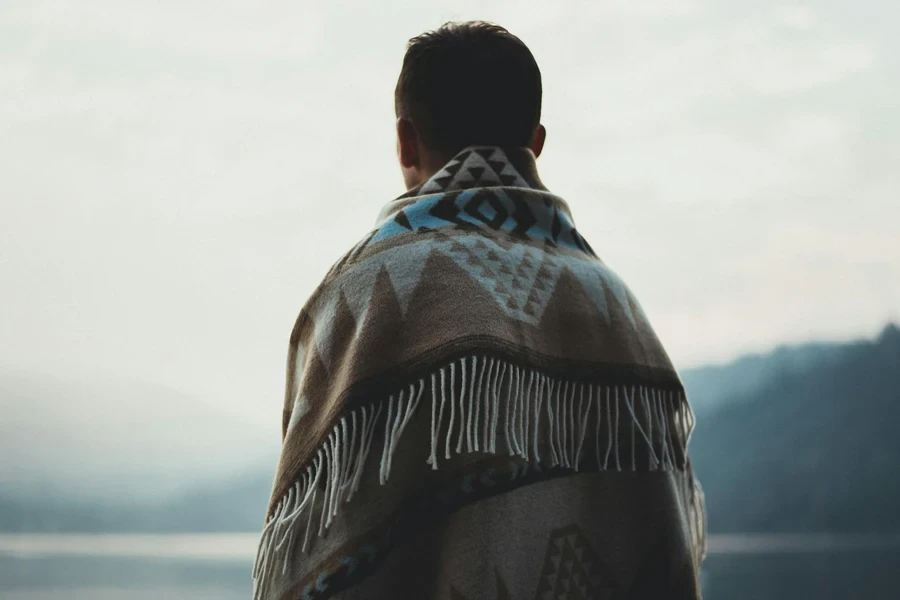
x,y
482,188
487,208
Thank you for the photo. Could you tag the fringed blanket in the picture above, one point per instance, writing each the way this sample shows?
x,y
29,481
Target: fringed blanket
x,y
478,409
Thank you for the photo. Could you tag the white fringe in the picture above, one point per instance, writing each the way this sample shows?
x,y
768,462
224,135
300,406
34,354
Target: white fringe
x,y
539,412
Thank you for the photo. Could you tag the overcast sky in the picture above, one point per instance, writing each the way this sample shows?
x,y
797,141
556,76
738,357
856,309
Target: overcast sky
x,y
175,177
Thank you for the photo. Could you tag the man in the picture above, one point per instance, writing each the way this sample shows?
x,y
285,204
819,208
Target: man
x,y
476,407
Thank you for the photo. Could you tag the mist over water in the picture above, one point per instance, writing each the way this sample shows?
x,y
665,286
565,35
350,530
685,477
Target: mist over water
x,y
217,566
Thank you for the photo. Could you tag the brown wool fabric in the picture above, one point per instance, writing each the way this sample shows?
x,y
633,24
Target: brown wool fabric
x,y
477,408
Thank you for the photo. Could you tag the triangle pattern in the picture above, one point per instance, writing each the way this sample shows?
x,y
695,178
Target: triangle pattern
x,y
453,168
484,153
298,410
477,169
443,182
334,327
545,277
405,276
402,220
446,276
476,172
508,175
358,291
440,180
557,297
568,573
508,274
371,336
497,165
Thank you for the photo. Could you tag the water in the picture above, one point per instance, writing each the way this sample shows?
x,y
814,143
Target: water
x,y
126,567
802,566
217,566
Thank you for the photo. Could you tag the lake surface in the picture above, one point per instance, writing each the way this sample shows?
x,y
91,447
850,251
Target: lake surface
x,y
217,566
126,567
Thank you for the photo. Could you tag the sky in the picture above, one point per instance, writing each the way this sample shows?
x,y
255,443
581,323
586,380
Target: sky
x,y
176,177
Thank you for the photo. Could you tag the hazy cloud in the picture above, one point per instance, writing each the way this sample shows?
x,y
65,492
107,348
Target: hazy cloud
x,y
178,176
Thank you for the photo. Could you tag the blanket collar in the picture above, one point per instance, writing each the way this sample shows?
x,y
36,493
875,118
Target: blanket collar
x,y
479,167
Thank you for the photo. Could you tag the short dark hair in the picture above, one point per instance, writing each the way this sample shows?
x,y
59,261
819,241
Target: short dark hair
x,y
468,84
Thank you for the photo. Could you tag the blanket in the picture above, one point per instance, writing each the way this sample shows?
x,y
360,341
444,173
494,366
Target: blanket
x,y
477,408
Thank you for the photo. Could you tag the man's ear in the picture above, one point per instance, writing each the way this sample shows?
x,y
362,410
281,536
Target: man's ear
x,y
537,142
408,143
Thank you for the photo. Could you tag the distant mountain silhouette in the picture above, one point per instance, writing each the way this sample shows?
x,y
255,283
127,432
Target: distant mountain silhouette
x,y
125,455
804,449
53,513
713,386
233,505
117,439
803,439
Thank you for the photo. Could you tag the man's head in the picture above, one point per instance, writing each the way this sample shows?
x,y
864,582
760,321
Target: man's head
x,y
465,84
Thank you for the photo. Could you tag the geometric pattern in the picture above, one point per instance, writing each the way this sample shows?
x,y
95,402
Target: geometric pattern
x,y
484,260
492,195
514,238
480,167
572,570
519,277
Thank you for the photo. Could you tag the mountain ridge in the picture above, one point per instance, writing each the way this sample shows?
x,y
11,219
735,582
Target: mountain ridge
x,y
108,438
812,450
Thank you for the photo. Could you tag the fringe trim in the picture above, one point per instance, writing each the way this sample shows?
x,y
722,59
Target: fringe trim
x,y
697,515
540,412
